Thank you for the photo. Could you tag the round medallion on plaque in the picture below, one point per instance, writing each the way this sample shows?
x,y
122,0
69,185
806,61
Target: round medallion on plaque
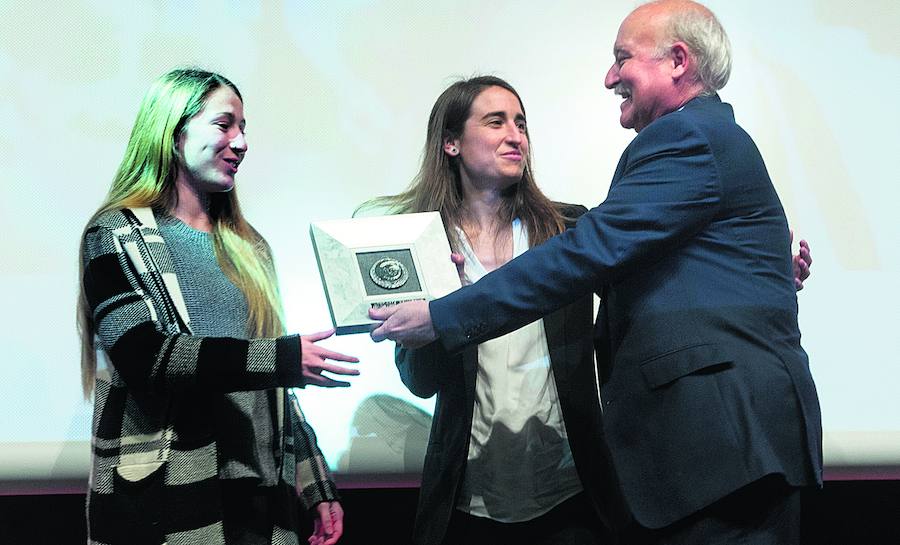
x,y
389,273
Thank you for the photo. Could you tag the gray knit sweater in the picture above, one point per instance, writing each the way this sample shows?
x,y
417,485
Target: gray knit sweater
x,y
217,308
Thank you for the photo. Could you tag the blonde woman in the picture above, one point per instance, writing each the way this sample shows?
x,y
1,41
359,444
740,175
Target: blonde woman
x,y
195,437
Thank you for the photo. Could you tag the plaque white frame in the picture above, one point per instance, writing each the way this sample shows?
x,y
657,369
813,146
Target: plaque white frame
x,y
337,243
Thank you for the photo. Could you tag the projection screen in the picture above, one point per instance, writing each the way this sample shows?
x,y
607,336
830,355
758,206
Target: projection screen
x,y
337,96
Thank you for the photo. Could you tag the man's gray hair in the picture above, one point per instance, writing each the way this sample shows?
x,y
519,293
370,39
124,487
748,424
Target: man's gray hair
x,y
708,43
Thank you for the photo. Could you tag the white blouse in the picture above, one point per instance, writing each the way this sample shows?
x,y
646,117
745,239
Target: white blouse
x,y
520,464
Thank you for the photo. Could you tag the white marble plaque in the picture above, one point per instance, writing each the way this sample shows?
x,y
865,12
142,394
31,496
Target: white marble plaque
x,y
380,261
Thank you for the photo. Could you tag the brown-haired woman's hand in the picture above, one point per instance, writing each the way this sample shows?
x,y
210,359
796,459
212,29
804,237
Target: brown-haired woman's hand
x,y
460,261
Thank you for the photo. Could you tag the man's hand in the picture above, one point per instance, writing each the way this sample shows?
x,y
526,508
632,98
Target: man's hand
x,y
802,262
313,360
409,324
328,525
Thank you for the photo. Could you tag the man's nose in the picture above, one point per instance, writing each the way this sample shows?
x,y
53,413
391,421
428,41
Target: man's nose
x,y
612,77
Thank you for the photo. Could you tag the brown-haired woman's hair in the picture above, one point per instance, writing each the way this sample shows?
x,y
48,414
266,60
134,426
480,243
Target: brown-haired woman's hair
x,y
438,186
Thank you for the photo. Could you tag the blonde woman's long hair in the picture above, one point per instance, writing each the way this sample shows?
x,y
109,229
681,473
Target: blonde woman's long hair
x,y
146,178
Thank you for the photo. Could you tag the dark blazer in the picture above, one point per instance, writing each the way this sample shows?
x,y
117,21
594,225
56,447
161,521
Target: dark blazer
x,y
431,370
705,385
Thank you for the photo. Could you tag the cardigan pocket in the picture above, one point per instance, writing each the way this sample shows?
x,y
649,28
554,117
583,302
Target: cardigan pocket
x,y
138,472
140,493
666,368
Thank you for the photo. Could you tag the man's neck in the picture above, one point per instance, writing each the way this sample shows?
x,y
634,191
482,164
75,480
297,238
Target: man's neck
x,y
689,93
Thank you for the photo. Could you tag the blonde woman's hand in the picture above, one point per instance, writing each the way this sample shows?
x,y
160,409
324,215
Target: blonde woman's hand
x,y
328,525
314,360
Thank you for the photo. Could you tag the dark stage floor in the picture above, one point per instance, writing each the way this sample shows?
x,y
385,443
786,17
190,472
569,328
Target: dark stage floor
x,y
843,513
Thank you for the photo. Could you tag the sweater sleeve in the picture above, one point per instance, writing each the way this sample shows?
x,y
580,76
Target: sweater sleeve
x,y
315,483
126,301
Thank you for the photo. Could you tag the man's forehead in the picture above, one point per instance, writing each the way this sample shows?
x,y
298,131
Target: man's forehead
x,y
624,41
639,27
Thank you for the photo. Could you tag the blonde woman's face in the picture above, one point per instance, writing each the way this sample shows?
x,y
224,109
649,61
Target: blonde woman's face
x,y
212,144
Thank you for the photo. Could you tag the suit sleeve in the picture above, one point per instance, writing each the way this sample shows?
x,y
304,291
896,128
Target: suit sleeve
x,y
666,191
423,370
148,358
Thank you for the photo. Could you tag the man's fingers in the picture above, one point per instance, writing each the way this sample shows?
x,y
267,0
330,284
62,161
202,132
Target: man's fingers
x,y
382,313
379,333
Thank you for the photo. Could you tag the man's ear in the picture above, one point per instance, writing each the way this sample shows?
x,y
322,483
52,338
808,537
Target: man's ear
x,y
451,146
681,60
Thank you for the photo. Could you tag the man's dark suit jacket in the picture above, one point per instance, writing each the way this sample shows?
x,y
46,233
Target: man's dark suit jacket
x,y
431,370
705,385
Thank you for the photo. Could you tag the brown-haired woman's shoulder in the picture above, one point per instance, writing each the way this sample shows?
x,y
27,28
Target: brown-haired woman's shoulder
x,y
569,212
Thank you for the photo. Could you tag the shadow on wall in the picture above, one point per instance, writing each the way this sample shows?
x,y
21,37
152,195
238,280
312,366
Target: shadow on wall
x,y
387,435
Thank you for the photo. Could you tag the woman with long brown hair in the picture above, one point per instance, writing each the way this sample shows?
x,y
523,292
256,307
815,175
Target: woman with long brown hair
x,y
516,452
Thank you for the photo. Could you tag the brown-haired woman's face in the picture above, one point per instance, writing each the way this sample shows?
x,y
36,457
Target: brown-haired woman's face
x,y
212,143
494,142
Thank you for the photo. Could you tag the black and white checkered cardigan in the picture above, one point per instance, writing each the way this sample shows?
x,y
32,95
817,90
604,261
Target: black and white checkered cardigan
x,y
154,476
